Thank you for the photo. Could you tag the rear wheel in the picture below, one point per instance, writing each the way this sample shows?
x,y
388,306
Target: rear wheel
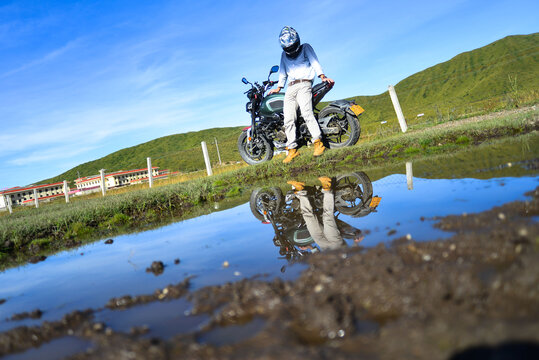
x,y
342,128
352,192
256,151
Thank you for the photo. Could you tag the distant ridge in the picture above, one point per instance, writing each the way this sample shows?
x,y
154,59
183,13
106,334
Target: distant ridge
x,y
471,81
479,80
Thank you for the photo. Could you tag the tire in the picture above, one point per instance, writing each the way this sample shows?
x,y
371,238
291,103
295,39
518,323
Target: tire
x,y
270,197
348,126
352,192
261,151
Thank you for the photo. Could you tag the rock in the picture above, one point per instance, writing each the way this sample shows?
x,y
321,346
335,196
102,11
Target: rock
x,y
225,264
36,259
157,268
109,241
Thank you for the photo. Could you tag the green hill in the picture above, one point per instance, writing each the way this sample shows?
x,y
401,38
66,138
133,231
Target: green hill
x,y
174,152
504,73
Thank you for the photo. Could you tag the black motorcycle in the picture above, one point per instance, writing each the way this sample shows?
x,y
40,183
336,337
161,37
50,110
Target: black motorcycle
x,y
338,122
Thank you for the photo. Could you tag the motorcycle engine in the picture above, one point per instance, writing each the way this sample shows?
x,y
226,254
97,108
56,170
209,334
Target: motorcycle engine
x,y
280,136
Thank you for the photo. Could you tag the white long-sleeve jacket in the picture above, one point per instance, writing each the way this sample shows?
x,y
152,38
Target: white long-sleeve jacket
x,y
304,67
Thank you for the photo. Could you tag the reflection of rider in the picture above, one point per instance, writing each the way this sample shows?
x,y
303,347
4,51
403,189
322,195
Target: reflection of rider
x,y
326,235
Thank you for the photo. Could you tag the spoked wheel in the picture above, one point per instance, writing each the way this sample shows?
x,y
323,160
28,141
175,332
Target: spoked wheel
x,y
342,128
352,191
264,200
254,152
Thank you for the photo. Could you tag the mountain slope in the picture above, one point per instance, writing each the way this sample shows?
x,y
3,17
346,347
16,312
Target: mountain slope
x,y
476,80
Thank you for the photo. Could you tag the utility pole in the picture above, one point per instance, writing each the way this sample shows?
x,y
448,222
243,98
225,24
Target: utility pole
x,y
206,158
398,109
218,154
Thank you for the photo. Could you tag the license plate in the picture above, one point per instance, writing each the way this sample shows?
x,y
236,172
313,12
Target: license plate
x,y
356,109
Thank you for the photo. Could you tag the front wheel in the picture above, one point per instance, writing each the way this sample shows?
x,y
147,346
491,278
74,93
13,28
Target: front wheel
x,y
255,152
342,129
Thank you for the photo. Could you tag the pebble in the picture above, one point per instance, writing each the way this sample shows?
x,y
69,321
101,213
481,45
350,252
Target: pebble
x,y
225,264
108,331
501,216
237,273
427,257
523,232
318,288
341,333
518,249
509,164
408,236
452,247
177,261
98,326
445,255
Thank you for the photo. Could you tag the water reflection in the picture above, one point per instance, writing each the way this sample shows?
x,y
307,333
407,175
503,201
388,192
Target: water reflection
x,y
306,219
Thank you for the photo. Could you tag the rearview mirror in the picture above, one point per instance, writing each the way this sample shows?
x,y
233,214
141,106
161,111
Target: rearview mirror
x,y
244,80
274,69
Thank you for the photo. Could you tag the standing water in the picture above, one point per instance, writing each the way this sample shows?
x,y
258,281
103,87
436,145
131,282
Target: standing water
x,y
261,238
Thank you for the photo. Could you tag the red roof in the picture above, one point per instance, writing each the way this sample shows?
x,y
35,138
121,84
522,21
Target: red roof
x,y
20,189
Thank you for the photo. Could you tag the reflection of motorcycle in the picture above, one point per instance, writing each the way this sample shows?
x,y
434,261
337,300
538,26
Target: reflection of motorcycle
x,y
353,196
338,122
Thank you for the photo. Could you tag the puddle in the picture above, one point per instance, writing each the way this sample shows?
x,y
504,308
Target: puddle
x,y
231,334
158,319
56,349
243,242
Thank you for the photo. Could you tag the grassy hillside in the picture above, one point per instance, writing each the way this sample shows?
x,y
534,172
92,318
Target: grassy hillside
x,y
174,152
502,74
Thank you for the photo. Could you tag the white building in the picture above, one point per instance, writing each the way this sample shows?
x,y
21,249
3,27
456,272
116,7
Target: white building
x,y
25,195
120,178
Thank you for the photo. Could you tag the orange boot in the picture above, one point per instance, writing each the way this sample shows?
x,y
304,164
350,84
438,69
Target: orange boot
x,y
318,147
297,185
326,182
292,153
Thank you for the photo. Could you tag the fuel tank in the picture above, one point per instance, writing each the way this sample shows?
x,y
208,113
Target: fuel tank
x,y
272,104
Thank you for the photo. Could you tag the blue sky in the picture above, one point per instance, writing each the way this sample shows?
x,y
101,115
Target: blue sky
x,y
82,79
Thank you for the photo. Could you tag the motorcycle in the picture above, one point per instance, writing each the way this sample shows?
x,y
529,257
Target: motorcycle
x,y
353,196
338,122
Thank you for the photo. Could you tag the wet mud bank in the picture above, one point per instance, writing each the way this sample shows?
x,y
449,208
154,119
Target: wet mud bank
x,y
474,293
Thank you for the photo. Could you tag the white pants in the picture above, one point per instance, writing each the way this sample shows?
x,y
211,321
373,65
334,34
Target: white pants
x,y
299,95
327,237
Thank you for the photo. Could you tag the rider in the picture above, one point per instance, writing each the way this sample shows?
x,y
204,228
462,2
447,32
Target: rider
x,y
326,234
299,65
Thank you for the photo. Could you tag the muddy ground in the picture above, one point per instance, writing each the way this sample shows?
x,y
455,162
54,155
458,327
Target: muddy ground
x,y
473,296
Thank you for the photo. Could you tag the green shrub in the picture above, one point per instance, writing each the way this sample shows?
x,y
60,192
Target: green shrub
x,y
120,219
412,150
425,143
235,191
462,140
78,229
